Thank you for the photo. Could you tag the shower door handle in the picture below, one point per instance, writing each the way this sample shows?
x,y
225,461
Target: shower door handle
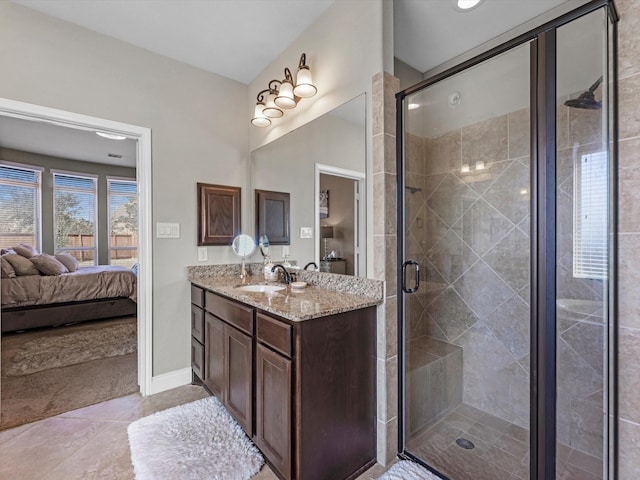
x,y
404,276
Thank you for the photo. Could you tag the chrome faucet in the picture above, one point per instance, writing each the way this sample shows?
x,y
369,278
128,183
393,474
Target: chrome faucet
x,y
285,275
315,265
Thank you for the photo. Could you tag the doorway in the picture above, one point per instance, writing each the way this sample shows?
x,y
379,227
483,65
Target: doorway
x,y
340,217
142,135
506,234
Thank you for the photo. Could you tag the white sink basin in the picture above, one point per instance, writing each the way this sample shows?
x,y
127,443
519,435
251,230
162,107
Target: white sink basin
x,y
260,288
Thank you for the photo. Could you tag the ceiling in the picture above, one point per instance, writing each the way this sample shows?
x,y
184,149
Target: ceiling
x,y
427,33
64,142
199,33
237,39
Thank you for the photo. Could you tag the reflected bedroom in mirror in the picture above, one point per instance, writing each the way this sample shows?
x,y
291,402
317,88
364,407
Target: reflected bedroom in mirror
x,y
320,169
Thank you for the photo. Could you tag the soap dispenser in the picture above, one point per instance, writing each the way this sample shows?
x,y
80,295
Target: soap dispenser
x,y
269,276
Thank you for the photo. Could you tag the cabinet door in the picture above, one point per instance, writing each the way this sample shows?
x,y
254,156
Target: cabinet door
x,y
214,355
197,323
197,358
238,394
273,408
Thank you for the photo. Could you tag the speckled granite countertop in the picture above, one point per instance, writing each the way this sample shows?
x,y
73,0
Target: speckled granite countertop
x,y
293,304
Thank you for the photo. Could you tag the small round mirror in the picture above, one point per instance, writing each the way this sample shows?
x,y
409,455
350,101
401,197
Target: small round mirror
x,y
243,245
264,245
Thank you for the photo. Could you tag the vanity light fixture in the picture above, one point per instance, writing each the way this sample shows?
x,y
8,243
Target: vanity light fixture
x,y
283,94
111,136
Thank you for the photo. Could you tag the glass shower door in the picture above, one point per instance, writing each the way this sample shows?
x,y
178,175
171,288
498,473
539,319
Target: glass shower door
x,y
582,270
467,224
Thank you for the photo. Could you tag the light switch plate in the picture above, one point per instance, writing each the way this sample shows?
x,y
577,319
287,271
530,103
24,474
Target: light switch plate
x,y
306,232
167,230
202,254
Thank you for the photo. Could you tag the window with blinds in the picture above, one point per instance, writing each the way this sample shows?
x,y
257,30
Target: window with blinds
x,y
74,215
123,222
590,216
20,205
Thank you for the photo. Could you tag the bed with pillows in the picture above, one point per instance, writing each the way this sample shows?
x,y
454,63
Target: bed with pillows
x,y
40,290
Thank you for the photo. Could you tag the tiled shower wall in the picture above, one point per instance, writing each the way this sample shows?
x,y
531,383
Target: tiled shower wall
x,y
470,232
629,239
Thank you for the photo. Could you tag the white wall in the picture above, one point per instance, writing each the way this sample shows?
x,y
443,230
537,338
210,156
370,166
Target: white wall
x,y
198,135
344,49
288,165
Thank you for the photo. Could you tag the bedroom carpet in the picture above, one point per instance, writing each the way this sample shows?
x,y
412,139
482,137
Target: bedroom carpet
x,y
74,377
196,441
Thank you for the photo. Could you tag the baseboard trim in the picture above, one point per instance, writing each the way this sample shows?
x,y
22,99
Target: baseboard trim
x,y
169,380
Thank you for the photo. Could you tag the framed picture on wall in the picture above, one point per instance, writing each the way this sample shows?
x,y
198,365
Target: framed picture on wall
x,y
324,203
218,214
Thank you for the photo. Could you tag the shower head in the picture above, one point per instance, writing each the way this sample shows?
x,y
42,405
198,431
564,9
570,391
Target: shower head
x,y
586,100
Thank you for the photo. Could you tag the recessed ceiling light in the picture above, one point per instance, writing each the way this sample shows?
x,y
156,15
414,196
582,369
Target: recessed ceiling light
x,y
111,136
413,106
466,5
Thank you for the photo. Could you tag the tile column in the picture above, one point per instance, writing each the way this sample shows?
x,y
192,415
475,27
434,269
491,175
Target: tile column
x,y
384,89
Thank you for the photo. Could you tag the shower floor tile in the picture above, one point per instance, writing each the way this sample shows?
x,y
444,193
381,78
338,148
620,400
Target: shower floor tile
x,y
501,449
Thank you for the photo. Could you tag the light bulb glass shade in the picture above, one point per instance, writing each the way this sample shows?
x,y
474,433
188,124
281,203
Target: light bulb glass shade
x,y
285,96
467,4
271,110
304,84
259,120
111,136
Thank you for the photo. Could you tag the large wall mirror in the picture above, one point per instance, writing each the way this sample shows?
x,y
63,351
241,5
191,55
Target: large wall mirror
x,y
322,166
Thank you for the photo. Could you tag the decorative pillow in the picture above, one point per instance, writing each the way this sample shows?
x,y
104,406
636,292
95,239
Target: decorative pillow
x,y
21,265
7,269
48,265
27,251
68,261
4,251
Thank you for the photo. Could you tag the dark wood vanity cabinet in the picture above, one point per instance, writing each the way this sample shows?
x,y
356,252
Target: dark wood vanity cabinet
x,y
228,356
197,332
303,391
274,394
273,408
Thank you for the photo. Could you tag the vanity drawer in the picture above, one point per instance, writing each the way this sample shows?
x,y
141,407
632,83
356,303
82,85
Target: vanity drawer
x,y
275,334
197,296
233,313
197,323
197,358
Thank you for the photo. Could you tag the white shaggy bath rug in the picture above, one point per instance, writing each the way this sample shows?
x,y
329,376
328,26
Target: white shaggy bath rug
x,y
198,440
406,470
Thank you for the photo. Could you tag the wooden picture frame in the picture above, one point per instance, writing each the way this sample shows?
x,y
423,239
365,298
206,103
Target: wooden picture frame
x,y
218,214
324,203
272,216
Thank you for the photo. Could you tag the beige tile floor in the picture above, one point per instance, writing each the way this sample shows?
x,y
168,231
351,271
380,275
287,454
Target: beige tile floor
x,y
91,442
